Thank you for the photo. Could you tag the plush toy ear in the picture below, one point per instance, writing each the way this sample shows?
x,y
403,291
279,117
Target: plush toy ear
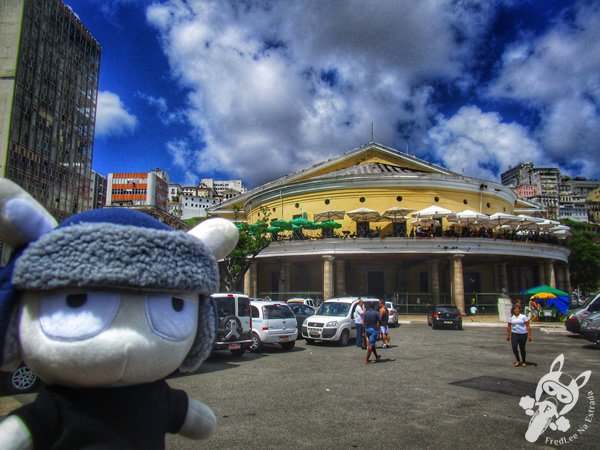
x,y
219,235
22,218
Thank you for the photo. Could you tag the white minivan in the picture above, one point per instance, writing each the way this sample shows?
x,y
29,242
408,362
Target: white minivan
x,y
272,323
334,320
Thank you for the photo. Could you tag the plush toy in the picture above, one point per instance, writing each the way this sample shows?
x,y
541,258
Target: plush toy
x,y
102,308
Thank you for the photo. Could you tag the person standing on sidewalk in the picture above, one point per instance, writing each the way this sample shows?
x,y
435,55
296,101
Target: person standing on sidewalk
x,y
518,333
358,321
384,315
371,324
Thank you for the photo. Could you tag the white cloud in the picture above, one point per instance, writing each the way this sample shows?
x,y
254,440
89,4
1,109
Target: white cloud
x,y
182,155
558,75
166,116
112,119
479,144
293,82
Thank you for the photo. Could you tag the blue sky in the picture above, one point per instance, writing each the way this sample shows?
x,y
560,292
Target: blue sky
x,y
256,89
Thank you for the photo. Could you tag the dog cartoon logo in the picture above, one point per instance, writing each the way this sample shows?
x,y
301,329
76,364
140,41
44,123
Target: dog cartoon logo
x,y
556,394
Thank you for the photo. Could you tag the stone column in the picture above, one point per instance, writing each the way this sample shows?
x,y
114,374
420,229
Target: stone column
x,y
458,283
550,275
503,277
541,273
435,280
522,278
567,279
284,278
327,277
560,277
340,277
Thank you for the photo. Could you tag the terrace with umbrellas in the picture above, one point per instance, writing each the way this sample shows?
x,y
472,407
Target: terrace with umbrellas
x,y
398,222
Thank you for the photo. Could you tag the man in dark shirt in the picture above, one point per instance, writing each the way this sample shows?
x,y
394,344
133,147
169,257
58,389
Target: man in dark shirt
x,y
371,324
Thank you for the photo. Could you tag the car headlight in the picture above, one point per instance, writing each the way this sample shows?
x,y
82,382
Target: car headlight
x,y
333,323
571,316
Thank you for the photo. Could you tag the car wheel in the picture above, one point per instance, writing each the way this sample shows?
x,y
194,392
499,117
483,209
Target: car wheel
x,y
238,352
288,345
459,326
22,380
310,341
344,338
433,326
257,344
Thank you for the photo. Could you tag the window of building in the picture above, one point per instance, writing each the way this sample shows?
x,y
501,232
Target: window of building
x,y
436,199
399,198
362,199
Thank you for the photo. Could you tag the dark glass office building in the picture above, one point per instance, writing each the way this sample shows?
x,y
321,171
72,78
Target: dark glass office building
x,y
49,68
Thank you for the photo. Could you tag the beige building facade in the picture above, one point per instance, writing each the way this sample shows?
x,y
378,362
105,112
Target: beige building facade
x,y
386,258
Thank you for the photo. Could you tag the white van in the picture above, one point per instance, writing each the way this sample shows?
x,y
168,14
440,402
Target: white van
x,y
334,320
272,323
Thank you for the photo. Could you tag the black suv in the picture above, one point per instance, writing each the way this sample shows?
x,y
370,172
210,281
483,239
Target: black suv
x,y
447,316
234,327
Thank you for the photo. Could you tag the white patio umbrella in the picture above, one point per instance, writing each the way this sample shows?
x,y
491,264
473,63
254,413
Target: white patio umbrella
x,y
468,217
432,212
560,230
396,213
331,214
499,219
363,215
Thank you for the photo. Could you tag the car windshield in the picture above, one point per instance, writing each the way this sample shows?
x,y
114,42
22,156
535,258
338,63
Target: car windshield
x,y
334,309
278,312
590,300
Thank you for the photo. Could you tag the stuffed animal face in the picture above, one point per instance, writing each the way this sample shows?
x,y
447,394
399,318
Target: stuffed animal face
x,y
84,338
110,297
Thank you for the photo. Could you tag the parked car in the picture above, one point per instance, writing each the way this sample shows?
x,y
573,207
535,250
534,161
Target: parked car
x,y
20,381
334,320
444,316
304,301
393,314
590,328
301,311
272,323
573,322
234,328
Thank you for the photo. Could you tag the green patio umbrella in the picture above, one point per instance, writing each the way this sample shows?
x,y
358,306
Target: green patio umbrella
x,y
331,224
273,229
283,224
312,226
299,221
241,226
544,288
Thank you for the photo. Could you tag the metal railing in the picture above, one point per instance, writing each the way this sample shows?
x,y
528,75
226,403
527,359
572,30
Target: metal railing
x,y
413,302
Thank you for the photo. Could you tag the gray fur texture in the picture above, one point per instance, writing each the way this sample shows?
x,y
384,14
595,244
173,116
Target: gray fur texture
x,y
117,256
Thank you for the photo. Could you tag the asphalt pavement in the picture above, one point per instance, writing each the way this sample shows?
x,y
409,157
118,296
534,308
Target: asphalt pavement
x,y
432,389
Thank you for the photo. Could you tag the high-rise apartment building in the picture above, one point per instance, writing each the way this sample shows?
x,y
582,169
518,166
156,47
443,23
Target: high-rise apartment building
x,y
49,68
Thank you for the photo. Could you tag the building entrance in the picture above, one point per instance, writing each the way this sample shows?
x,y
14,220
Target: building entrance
x,y
375,284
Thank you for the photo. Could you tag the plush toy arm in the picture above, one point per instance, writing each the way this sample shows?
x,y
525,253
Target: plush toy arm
x,y
14,435
200,422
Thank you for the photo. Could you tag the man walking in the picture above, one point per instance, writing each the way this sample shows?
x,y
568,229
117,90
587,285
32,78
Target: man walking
x,y
358,321
371,322
384,315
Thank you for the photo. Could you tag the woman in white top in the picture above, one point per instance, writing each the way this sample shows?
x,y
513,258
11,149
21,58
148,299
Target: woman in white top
x,y
518,332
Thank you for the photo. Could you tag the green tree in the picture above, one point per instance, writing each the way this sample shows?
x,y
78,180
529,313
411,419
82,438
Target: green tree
x,y
253,239
584,261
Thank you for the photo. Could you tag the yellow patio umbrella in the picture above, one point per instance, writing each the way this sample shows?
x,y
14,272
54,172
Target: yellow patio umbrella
x,y
543,295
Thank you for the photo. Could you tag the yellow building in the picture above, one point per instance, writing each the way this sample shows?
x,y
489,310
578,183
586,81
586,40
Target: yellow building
x,y
386,258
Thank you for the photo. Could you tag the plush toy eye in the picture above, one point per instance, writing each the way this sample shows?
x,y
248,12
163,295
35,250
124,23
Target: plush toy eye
x,y
172,317
77,315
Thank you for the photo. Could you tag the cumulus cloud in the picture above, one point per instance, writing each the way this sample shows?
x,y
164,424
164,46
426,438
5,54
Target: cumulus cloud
x,y
112,119
558,75
182,154
480,144
294,82
166,116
